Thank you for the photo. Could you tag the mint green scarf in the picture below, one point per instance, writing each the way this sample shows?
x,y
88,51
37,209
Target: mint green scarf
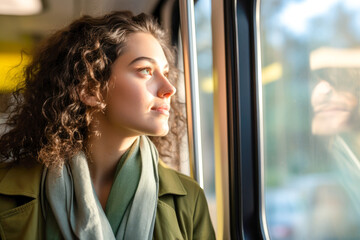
x,y
73,211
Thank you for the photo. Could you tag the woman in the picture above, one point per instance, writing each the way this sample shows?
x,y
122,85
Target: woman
x,y
77,159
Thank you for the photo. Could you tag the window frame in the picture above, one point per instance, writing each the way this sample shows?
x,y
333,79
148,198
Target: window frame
x,y
245,176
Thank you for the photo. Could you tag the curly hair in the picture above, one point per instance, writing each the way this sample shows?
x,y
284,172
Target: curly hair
x,y
49,123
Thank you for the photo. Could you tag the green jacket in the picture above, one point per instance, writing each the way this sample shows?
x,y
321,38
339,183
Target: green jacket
x,y
182,211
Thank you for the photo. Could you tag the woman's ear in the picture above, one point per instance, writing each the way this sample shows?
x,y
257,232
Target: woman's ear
x,y
88,100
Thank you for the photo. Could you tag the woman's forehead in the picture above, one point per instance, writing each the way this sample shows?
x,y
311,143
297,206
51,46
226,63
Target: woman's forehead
x,y
144,45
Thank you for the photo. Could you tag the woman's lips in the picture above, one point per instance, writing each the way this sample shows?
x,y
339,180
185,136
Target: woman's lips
x,y
163,109
329,108
329,113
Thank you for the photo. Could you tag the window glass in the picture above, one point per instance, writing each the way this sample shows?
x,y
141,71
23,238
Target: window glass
x,y
202,13
310,78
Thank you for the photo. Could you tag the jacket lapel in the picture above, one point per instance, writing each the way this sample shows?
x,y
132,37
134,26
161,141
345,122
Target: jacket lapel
x,y
169,182
166,224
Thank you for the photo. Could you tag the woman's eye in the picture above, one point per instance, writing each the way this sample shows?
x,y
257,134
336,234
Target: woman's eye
x,y
166,74
145,71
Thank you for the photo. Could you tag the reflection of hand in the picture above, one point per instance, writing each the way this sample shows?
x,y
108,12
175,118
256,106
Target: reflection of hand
x,y
334,111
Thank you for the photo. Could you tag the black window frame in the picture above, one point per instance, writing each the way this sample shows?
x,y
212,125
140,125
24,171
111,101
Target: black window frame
x,y
244,161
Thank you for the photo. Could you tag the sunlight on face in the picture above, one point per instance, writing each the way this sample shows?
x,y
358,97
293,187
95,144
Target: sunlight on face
x,y
138,100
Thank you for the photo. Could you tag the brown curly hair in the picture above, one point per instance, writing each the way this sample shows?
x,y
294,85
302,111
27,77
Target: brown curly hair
x,y
49,123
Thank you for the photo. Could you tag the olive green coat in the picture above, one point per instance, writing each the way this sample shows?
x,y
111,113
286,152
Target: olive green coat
x,y
182,211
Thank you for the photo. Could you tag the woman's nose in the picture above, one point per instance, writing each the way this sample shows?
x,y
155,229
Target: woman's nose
x,y
166,89
322,92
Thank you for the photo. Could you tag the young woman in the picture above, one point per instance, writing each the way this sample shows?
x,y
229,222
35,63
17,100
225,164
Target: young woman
x,y
76,159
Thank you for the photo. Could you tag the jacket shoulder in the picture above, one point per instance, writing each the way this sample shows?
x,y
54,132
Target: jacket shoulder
x,y
20,211
20,179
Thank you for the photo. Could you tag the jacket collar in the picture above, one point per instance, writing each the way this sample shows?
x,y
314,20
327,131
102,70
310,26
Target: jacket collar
x,y
169,181
25,180
20,180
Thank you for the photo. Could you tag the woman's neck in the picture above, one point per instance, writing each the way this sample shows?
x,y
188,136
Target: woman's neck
x,y
105,153
353,141
105,146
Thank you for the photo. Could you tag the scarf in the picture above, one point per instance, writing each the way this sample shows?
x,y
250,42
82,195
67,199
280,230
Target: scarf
x,y
71,207
348,169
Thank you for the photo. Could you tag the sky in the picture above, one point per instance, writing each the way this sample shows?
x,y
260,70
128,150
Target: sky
x,y
296,15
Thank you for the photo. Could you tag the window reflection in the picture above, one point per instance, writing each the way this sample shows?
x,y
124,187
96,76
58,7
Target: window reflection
x,y
310,97
334,97
335,122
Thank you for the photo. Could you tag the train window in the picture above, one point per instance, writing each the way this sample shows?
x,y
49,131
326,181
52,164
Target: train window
x,y
310,71
202,12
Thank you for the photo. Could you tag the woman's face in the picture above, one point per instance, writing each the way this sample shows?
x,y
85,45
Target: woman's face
x,y
335,111
138,100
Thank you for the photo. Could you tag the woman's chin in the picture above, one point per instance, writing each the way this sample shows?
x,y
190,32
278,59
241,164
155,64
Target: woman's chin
x,y
328,127
159,132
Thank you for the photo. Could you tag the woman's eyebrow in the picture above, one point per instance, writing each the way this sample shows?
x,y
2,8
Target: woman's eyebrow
x,y
153,61
143,58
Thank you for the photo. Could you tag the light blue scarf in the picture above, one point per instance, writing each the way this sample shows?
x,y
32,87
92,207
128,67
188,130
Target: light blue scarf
x,y
73,211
